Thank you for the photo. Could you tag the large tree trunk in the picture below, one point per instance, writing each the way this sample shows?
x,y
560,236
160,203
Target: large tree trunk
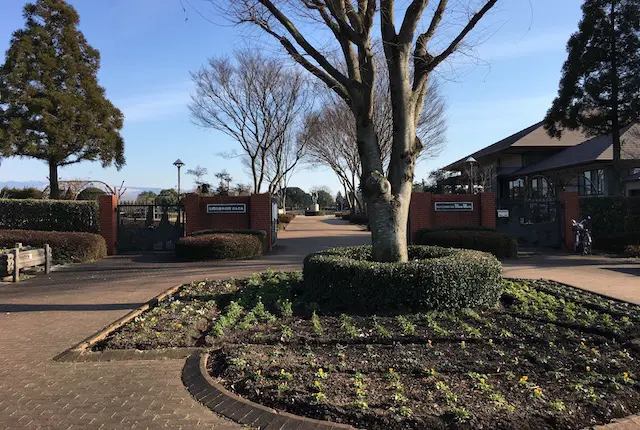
x,y
54,190
387,212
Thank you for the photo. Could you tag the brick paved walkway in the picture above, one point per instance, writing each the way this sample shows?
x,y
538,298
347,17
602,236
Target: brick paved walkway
x,y
614,277
44,316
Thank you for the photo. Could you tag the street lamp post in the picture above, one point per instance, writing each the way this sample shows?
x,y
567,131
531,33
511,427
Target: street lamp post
x,y
178,163
471,161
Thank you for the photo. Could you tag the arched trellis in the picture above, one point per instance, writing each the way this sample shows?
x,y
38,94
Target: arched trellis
x,y
77,185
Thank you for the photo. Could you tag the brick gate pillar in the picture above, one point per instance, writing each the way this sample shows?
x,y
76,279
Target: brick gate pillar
x,y
420,213
192,216
108,208
488,210
570,201
260,219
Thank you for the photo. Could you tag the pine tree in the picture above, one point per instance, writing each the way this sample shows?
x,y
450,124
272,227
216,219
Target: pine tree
x,y
51,106
600,85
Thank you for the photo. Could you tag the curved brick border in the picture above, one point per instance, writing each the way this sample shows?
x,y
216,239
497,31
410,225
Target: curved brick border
x,y
215,397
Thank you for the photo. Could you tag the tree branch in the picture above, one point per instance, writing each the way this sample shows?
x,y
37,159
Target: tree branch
x,y
411,19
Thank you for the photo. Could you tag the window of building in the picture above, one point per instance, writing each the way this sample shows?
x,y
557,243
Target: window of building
x,y
540,188
591,183
516,189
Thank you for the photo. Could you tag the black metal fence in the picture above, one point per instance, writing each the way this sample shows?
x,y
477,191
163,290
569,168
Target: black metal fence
x,y
149,227
534,223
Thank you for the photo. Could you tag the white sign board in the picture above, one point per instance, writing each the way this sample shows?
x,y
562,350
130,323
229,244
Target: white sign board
x,y
454,206
503,213
227,208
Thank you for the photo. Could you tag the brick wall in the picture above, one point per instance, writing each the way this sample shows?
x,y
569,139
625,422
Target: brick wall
x,y
422,213
570,201
108,206
257,217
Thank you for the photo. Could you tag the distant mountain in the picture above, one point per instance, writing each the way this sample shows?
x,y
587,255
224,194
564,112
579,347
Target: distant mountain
x,y
131,193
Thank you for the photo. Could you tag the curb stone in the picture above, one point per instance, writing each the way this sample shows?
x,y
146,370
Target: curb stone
x,y
218,399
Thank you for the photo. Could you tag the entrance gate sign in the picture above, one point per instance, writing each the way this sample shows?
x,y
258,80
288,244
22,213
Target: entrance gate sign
x,y
503,213
454,206
227,208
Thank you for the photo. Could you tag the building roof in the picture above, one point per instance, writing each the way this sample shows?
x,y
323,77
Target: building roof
x,y
534,136
599,148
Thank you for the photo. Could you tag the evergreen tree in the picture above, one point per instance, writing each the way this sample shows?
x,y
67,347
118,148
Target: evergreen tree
x,y
600,85
51,106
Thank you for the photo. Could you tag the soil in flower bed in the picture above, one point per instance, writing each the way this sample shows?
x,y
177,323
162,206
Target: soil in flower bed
x,y
548,356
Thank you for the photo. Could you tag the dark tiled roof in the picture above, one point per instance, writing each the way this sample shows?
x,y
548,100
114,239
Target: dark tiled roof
x,y
596,149
533,136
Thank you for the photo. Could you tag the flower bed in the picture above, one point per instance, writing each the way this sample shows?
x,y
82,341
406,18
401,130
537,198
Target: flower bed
x,y
550,356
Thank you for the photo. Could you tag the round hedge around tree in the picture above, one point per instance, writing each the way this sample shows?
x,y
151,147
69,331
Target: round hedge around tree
x,y
218,246
434,279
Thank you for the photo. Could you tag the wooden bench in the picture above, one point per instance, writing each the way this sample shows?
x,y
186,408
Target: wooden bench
x,y
18,258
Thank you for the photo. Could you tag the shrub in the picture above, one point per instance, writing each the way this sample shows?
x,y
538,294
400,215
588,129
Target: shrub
x,y
611,214
219,246
21,193
434,278
632,251
359,218
461,228
260,234
49,215
499,244
66,247
346,217
285,218
314,213
615,242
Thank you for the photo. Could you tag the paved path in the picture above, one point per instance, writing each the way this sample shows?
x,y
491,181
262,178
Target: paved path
x,y
615,277
42,317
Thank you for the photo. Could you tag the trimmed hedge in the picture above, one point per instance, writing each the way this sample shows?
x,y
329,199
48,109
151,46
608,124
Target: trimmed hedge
x,y
66,247
462,228
632,251
499,244
359,218
615,221
260,234
314,213
49,215
434,278
218,246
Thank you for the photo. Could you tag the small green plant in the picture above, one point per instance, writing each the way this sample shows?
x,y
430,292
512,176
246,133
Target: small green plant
x,y
460,415
321,374
399,398
471,331
318,397
285,308
556,406
408,328
380,329
441,386
450,398
282,388
347,325
262,314
360,404
404,411
286,332
317,325
283,375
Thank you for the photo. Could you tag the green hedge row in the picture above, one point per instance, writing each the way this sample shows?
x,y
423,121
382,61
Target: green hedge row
x,y
615,221
434,278
260,234
66,247
218,246
49,215
499,244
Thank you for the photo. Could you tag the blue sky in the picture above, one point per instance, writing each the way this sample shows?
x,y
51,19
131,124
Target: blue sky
x,y
148,48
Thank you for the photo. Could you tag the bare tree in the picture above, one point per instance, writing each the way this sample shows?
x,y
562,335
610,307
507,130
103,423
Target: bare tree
x,y
198,174
333,142
257,101
224,183
350,23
